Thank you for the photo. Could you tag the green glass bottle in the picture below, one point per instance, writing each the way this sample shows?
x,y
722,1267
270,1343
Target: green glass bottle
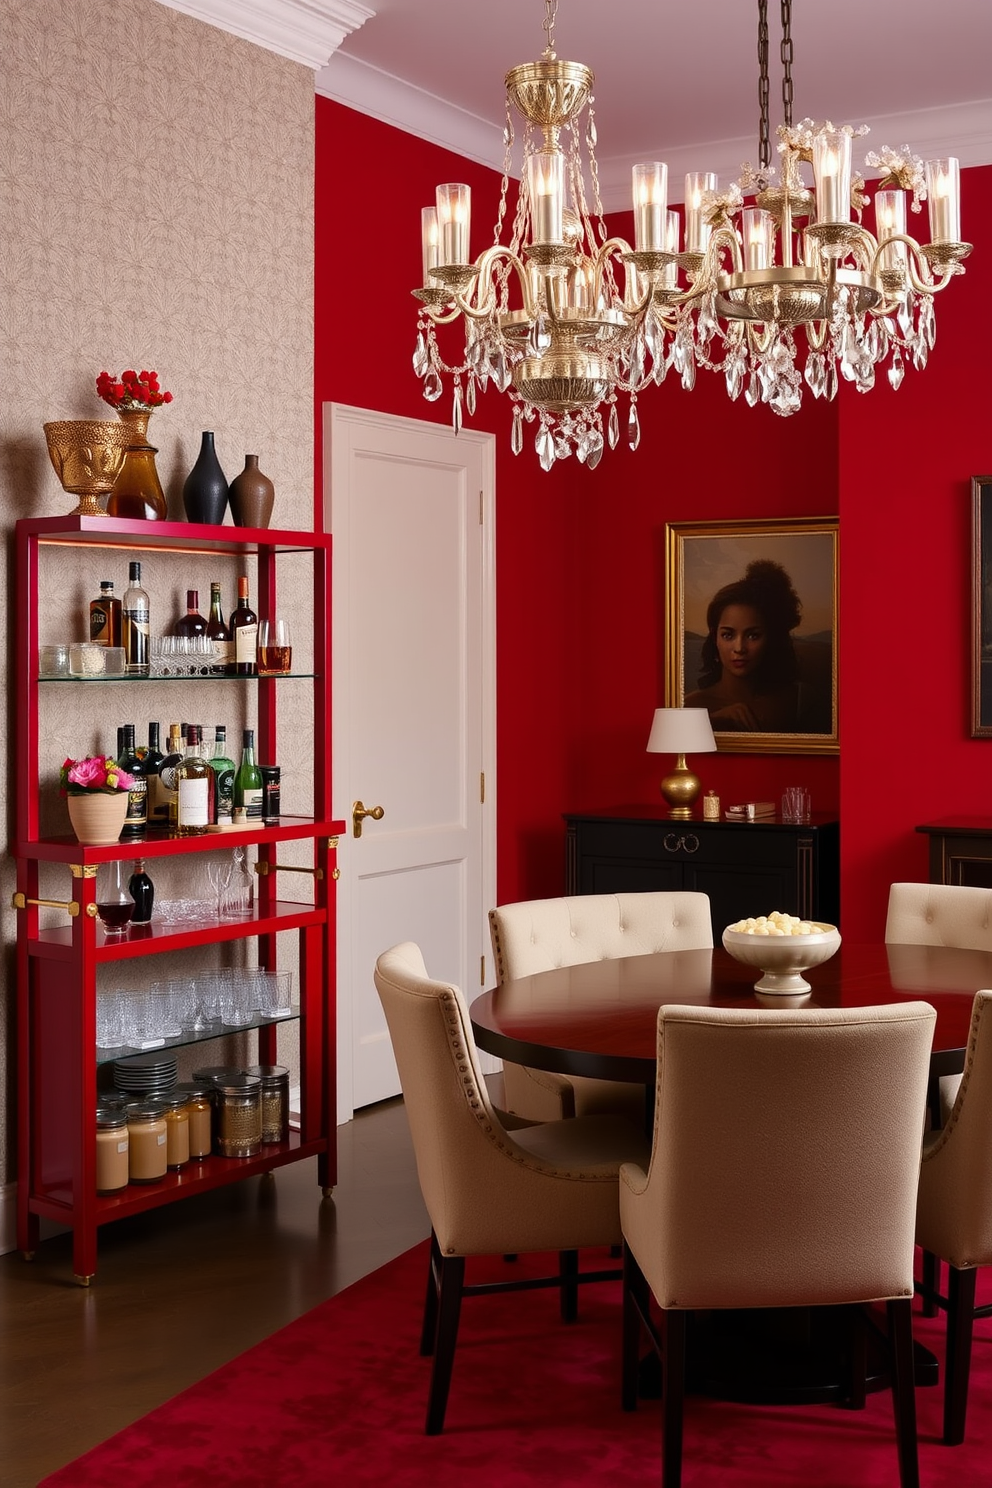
x,y
248,781
223,771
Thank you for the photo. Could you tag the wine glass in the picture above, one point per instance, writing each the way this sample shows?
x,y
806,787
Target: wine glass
x,y
114,904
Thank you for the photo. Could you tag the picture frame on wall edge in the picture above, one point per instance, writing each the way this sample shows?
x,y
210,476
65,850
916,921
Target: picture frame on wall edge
x,y
981,607
751,631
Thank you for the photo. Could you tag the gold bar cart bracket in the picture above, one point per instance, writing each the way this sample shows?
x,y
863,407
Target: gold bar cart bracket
x,y
21,901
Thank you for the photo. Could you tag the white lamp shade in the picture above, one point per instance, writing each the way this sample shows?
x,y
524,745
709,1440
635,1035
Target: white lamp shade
x,y
681,731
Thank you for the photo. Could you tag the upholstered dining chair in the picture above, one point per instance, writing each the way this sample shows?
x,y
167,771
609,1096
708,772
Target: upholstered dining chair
x,y
541,934
954,1213
492,1185
771,1186
956,915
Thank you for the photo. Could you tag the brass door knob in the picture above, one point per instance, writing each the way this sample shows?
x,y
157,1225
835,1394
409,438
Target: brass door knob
x,y
360,811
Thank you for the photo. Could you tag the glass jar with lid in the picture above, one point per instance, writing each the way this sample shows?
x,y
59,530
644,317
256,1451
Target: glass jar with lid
x,y
239,1115
199,1103
147,1141
111,1149
275,1101
176,1103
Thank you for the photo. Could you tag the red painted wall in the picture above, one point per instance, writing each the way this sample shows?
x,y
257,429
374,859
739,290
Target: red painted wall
x,y
906,462
580,554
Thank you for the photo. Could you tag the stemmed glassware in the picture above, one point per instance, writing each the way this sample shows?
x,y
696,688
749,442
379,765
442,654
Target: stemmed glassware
x,y
114,904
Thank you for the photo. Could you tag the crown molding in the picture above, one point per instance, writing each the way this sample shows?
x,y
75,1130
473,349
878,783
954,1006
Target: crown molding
x,y
305,31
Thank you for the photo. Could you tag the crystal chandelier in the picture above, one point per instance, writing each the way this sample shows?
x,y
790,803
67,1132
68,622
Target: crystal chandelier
x,y
791,288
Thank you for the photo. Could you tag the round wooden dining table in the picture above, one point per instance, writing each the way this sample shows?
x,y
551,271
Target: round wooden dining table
x,y
600,1018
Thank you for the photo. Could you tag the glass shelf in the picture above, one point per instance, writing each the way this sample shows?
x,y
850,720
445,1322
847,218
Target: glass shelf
x,y
278,677
200,1036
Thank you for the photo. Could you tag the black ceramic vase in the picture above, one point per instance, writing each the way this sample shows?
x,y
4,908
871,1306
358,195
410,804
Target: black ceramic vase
x,y
205,490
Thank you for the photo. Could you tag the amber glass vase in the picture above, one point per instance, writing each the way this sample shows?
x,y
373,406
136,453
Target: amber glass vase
x,y
137,491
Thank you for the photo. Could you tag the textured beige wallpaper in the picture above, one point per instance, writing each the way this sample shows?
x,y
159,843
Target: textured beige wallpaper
x,y
156,194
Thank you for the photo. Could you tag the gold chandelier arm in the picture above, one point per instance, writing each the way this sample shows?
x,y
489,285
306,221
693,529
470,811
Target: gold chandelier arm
x,y
711,267
921,282
618,247
484,275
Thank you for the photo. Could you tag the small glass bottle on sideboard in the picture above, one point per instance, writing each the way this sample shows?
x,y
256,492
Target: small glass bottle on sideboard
x,y
57,966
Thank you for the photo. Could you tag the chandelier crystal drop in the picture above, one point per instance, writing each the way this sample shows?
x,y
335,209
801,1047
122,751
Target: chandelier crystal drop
x,y
775,284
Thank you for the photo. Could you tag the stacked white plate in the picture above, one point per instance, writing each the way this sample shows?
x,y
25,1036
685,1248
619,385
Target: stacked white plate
x,y
146,1074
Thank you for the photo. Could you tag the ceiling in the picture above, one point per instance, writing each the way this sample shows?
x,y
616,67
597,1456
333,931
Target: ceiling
x,y
677,82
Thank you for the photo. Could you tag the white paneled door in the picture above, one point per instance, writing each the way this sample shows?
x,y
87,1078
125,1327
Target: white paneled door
x,y
410,507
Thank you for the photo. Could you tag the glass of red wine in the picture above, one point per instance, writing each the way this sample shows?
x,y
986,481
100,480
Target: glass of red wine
x,y
114,904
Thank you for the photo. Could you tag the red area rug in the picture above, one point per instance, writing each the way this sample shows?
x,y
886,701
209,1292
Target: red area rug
x,y
338,1397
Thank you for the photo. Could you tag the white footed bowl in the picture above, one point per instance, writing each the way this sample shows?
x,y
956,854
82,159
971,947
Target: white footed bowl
x,y
782,958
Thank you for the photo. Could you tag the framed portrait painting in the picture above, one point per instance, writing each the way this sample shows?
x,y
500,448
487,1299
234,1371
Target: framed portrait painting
x,y
752,631
981,607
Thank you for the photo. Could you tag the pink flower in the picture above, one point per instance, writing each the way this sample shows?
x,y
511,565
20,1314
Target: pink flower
x,y
89,773
95,773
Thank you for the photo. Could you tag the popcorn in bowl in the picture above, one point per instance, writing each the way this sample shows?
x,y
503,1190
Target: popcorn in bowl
x,y
782,946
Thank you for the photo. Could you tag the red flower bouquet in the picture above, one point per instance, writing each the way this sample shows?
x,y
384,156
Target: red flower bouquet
x,y
131,390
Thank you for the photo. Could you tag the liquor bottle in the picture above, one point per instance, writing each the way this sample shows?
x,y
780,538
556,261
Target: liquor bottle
x,y
223,770
219,632
134,628
193,783
244,633
192,623
105,616
142,891
158,811
168,784
136,820
248,781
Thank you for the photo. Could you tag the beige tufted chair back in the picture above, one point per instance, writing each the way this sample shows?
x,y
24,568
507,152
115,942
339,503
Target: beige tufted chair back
x,y
940,914
541,934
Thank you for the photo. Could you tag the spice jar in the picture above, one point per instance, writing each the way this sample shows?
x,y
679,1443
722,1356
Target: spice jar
x,y
275,1101
147,1139
111,1149
199,1104
176,1103
239,1116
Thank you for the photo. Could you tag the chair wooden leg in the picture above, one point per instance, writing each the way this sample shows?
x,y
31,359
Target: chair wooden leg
x,y
428,1330
673,1397
931,1283
452,1278
568,1262
858,1384
900,1316
635,1298
957,1368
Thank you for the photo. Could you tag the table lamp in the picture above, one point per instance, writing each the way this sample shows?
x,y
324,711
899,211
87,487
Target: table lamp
x,y
681,731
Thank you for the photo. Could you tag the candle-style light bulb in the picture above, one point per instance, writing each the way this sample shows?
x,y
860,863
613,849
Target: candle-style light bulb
x,y
454,210
650,190
697,232
832,175
546,190
890,222
944,200
429,242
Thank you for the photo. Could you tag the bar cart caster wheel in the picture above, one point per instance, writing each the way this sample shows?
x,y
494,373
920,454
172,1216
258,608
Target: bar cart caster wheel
x,y
327,1192
28,1255
83,1281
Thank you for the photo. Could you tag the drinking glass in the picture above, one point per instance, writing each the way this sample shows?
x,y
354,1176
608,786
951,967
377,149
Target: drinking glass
x,y
275,648
114,904
795,804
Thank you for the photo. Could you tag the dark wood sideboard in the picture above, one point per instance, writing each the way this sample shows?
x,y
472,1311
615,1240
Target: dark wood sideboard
x,y
960,850
746,868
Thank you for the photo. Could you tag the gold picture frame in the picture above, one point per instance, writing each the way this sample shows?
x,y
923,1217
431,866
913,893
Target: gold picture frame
x,y
777,694
981,607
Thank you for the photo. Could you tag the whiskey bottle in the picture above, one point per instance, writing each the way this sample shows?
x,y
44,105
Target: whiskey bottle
x,y
193,783
105,616
134,627
168,784
244,633
219,633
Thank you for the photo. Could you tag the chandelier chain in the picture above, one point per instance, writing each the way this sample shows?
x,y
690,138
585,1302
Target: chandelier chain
x,y
764,139
786,55
550,16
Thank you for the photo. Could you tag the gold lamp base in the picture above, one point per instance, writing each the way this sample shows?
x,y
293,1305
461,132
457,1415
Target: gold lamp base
x,y
680,790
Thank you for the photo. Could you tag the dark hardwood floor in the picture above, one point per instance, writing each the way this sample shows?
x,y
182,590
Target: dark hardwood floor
x,y
181,1290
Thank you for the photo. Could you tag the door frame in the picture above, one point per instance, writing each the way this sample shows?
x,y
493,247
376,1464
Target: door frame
x,y
335,416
